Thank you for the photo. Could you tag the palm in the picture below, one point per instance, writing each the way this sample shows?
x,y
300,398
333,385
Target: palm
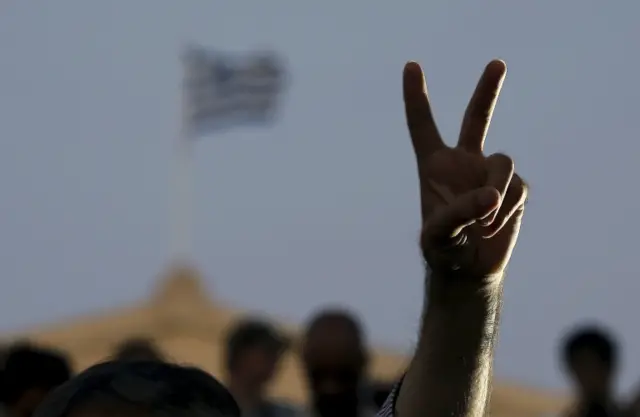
x,y
460,172
447,173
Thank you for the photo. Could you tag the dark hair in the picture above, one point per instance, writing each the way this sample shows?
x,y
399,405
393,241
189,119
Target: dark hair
x,y
592,339
29,367
336,315
151,388
251,333
344,319
137,348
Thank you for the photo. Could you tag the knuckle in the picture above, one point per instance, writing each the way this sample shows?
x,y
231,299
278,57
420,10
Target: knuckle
x,y
521,187
517,192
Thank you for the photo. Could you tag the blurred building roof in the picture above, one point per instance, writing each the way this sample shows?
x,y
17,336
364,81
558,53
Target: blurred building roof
x,y
189,328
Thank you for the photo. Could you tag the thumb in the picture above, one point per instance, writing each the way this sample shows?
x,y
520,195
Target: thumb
x,y
447,222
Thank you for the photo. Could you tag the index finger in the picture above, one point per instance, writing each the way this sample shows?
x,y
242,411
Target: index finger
x,y
422,126
480,109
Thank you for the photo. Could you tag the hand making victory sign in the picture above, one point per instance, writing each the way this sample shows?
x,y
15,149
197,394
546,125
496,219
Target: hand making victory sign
x,y
472,204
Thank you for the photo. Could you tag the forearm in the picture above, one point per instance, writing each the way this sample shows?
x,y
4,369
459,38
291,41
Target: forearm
x,y
450,375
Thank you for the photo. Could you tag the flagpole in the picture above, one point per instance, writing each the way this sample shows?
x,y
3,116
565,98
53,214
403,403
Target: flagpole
x,y
182,187
203,76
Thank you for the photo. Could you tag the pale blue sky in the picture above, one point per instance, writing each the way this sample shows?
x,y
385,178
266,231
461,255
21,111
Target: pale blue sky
x,y
324,203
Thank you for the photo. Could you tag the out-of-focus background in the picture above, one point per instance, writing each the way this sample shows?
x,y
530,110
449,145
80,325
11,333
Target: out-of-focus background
x,y
321,207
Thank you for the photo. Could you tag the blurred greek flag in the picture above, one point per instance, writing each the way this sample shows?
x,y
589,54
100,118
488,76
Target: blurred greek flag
x,y
226,90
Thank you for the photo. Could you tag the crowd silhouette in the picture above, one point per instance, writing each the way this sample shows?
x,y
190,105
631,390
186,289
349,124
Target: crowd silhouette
x,y
333,354
334,358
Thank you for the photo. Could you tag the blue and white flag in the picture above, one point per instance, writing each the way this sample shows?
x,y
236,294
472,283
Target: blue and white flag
x,y
224,90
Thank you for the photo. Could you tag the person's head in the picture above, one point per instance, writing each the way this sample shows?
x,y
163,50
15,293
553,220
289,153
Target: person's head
x,y
140,389
29,374
335,360
591,355
253,351
137,348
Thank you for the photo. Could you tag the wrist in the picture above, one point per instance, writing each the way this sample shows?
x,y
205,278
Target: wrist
x,y
466,311
453,290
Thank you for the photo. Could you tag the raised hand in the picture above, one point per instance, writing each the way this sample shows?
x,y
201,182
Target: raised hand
x,y
472,204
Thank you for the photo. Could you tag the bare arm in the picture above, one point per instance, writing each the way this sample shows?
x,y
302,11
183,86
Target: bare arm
x,y
450,373
472,208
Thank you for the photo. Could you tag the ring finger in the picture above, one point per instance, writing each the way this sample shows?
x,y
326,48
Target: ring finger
x,y
513,201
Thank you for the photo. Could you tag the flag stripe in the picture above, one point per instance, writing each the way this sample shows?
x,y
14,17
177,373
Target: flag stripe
x,y
223,90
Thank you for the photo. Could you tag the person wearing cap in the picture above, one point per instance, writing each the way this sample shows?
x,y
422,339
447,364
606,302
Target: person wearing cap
x,y
253,352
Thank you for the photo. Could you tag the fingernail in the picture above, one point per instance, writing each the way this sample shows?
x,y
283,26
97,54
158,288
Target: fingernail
x,y
412,66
